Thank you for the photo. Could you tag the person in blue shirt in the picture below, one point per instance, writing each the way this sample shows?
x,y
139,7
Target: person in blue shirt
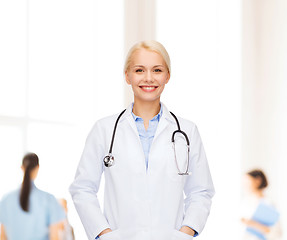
x,y
29,213
260,217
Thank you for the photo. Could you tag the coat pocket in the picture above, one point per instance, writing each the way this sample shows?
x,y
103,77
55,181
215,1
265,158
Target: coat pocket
x,y
178,235
113,235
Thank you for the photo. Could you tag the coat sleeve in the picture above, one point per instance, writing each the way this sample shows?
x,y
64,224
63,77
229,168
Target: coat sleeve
x,y
198,188
86,184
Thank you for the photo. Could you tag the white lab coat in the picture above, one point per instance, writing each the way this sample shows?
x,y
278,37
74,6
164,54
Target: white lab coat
x,y
140,203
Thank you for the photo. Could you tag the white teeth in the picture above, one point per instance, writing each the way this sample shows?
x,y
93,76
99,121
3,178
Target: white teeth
x,y
148,88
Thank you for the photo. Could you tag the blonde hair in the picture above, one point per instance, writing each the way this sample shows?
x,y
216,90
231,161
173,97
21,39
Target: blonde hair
x,y
150,45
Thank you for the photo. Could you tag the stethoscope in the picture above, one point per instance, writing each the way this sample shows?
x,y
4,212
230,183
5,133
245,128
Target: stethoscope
x,y
109,160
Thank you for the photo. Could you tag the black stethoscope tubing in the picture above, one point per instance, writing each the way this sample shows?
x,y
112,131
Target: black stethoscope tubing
x,y
178,131
114,132
109,159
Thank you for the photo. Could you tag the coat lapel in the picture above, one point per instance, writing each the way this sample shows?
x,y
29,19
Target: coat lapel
x,y
165,120
128,115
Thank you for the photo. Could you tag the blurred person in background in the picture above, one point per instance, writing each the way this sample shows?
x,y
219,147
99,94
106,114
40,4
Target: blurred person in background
x,y
259,216
66,231
29,213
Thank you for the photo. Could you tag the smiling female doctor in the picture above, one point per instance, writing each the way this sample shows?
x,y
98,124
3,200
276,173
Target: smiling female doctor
x,y
145,175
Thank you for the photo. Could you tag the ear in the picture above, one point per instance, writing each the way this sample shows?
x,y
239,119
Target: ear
x,y
127,78
23,169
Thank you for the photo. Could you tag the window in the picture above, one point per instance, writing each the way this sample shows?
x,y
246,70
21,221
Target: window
x,y
61,69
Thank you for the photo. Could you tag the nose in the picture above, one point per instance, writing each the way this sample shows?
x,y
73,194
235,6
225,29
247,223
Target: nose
x,y
149,77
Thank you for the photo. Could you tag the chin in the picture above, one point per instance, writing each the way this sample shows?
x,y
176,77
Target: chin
x,y
147,100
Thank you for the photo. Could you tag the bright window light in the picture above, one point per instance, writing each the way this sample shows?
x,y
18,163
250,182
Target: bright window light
x,y
13,57
61,70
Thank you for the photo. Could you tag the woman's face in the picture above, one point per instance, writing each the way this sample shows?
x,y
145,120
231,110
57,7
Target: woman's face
x,y
251,183
147,74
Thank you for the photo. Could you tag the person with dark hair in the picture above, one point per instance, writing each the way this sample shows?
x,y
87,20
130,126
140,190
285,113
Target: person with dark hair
x,y
259,181
260,217
29,213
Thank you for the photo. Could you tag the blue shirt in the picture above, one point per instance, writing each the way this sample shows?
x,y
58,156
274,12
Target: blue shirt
x,y
44,210
146,136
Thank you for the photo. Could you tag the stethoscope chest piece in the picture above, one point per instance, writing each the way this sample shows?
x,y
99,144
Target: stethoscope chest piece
x,y
109,160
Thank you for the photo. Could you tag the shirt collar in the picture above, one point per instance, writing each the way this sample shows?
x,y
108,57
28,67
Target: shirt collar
x,y
33,184
165,114
156,117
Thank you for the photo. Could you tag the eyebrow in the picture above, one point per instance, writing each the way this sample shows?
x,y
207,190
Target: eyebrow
x,y
144,66
137,66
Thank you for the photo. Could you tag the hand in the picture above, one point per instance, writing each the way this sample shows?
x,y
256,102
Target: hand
x,y
258,226
105,231
245,221
187,230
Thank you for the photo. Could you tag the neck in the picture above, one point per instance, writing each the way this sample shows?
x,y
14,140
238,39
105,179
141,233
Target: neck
x,y
146,110
259,194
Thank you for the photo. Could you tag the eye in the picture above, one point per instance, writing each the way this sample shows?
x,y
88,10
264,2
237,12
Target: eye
x,y
139,70
158,70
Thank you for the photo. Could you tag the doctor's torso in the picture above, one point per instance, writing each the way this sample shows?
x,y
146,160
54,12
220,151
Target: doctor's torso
x,y
140,202
144,197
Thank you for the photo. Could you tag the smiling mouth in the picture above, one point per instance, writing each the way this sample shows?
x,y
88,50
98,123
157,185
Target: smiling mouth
x,y
148,88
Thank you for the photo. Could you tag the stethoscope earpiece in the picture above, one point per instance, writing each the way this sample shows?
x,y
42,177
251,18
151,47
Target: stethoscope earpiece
x,y
184,174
